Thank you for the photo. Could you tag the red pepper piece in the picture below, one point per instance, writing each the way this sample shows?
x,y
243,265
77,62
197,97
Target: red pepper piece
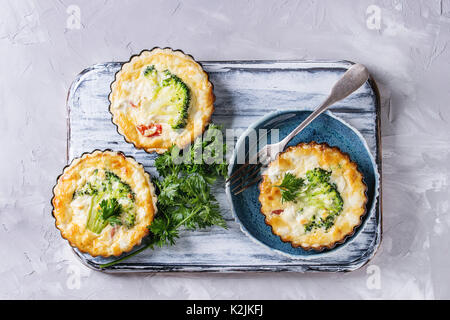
x,y
277,211
153,129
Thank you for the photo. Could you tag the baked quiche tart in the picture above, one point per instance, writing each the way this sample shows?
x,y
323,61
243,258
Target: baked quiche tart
x,y
313,196
103,203
161,98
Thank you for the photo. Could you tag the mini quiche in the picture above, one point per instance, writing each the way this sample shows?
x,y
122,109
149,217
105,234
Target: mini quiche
x,y
161,98
103,203
313,196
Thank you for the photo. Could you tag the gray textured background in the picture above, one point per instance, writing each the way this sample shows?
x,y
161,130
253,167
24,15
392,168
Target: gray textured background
x,y
409,57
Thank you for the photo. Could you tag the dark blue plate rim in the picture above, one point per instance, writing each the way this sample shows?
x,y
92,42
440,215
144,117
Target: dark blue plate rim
x,y
229,195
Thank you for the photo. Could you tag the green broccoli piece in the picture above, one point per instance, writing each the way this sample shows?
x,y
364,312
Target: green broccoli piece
x,y
312,224
102,213
179,96
318,175
117,187
87,190
108,212
151,73
323,195
105,207
318,192
172,94
130,219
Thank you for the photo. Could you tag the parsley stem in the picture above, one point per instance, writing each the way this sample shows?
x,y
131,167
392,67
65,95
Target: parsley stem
x,y
187,218
109,264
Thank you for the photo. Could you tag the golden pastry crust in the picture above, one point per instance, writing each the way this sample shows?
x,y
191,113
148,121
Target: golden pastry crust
x,y
71,218
189,71
345,175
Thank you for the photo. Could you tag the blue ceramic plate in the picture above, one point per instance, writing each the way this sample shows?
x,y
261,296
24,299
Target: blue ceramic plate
x,y
326,128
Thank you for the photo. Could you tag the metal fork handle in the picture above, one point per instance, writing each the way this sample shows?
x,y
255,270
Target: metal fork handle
x,y
352,79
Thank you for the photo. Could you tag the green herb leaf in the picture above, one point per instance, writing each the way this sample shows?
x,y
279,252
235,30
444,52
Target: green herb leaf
x,y
184,192
110,208
290,187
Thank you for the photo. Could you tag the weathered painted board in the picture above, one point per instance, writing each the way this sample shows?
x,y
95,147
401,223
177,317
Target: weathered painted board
x,y
245,91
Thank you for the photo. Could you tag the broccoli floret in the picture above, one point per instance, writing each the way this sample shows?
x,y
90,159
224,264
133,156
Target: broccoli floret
x,y
130,219
87,190
151,73
108,211
323,195
318,175
117,187
180,97
105,208
172,95
312,224
318,192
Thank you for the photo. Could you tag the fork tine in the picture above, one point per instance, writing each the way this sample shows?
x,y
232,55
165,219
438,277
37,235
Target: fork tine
x,y
246,179
248,185
245,165
237,171
250,170
247,154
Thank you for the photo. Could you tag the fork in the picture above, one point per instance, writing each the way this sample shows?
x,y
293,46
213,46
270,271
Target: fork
x,y
247,175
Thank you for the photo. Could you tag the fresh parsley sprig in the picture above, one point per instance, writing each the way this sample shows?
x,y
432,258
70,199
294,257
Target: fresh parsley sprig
x,y
110,210
184,192
290,187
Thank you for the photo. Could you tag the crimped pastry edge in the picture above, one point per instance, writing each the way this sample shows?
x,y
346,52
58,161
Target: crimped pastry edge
x,y
205,123
346,236
146,175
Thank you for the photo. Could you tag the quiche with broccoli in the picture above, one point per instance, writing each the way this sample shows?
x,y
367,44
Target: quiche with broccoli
x,y
313,196
161,98
103,203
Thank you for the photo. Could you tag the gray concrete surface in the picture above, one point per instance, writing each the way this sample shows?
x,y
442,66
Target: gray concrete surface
x,y
405,44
